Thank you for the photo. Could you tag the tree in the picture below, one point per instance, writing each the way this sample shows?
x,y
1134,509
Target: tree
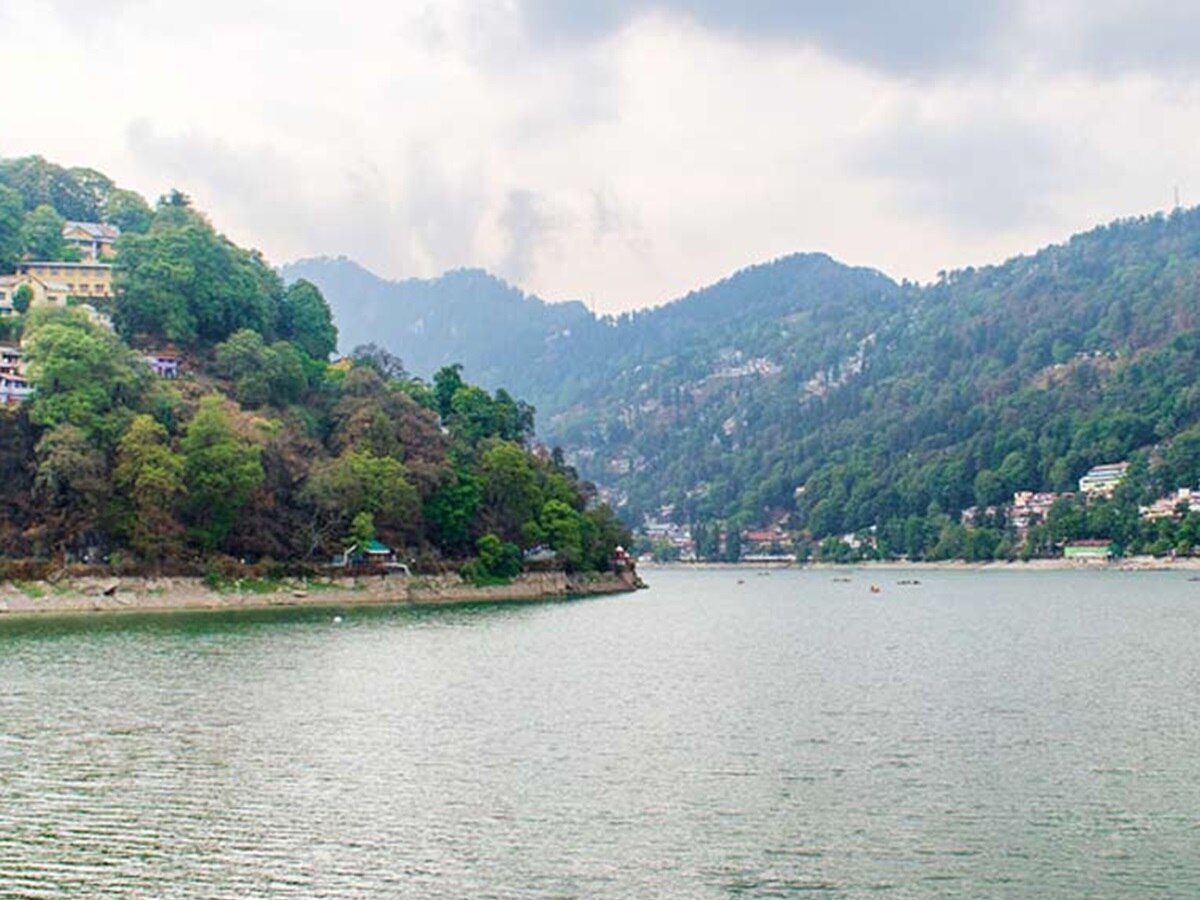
x,y
71,485
450,512
75,193
11,214
356,482
41,234
497,558
82,374
22,298
184,283
362,531
128,211
563,527
446,383
307,320
385,364
148,477
510,488
221,472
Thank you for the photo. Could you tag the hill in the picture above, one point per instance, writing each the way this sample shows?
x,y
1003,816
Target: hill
x,y
438,322
190,415
846,402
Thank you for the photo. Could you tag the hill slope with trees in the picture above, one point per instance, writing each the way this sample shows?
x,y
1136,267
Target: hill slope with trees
x,y
262,449
847,402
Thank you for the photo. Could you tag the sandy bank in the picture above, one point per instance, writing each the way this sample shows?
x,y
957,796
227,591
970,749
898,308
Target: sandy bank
x,y
161,594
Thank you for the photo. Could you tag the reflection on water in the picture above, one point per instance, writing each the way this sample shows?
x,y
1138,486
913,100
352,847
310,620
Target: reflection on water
x,y
1009,734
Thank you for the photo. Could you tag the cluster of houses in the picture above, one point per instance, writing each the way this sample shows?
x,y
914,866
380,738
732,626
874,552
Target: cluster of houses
x,y
1027,509
50,283
55,283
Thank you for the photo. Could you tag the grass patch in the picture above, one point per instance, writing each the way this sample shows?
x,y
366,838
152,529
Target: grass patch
x,y
30,589
482,580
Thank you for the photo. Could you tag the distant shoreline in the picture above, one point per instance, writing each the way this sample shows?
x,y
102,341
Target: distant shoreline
x,y
1126,564
115,595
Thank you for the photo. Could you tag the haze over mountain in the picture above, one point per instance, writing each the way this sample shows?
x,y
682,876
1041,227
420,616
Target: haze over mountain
x,y
803,380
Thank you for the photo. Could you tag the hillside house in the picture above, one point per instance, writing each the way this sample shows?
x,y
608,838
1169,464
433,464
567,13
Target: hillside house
x,y
1184,500
45,292
14,389
95,241
1102,481
163,364
10,360
85,280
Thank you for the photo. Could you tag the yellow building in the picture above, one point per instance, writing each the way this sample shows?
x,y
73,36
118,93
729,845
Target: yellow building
x,y
94,240
45,293
82,279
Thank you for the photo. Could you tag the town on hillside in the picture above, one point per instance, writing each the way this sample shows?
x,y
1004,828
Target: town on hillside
x,y
663,540
84,282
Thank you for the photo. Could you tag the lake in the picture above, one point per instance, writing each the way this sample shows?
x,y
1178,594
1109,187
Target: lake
x,y
725,734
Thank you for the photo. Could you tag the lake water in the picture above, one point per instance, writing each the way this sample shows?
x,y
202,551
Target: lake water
x,y
725,734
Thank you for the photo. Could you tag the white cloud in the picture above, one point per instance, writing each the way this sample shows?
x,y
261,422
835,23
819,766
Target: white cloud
x,y
627,152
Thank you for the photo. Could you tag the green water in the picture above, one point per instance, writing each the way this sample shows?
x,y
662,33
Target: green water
x,y
725,734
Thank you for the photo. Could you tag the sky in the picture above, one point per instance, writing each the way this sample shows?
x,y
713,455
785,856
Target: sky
x,y
616,151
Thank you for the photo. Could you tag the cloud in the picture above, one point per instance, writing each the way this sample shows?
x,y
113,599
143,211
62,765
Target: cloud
x,y
911,37
526,225
990,172
1111,37
921,38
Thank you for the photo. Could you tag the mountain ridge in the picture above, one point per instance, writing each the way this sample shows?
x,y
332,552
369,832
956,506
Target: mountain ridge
x,y
803,380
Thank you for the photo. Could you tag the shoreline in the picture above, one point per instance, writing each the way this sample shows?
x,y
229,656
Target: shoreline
x,y
1125,564
153,595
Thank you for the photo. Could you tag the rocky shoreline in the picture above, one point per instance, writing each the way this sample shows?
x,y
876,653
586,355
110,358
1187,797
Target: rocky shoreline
x,y
94,595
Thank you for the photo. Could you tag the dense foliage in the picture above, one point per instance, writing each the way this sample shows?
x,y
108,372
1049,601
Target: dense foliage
x,y
263,448
847,402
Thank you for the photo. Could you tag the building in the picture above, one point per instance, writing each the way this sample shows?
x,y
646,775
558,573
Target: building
x,y
164,365
1094,549
10,360
14,389
45,292
1171,506
85,280
95,241
1102,481
1030,508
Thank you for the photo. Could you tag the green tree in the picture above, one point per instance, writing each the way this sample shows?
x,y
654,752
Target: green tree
x,y
362,531
510,488
450,512
149,478
128,211
22,298
221,473
82,374
563,527
497,558
307,320
41,234
11,214
446,383
359,481
183,282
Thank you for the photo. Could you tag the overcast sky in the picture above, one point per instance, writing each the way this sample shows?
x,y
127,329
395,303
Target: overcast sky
x,y
618,151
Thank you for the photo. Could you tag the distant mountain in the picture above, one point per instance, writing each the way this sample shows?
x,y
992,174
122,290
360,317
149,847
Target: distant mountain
x,y
465,316
834,394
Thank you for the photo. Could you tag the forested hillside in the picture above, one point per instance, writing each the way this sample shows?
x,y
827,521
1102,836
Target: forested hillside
x,y
439,322
849,402
260,448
